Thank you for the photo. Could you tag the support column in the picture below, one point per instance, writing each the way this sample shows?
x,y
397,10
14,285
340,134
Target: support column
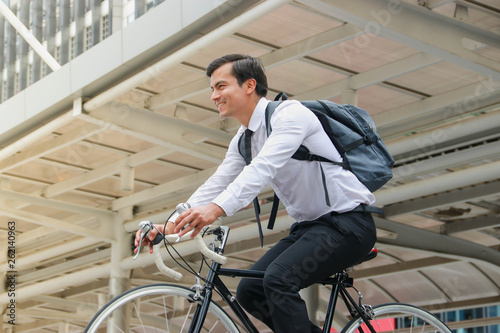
x,y
10,59
36,65
64,327
140,8
64,20
50,31
24,13
115,15
2,58
350,96
3,262
79,15
96,22
310,295
119,280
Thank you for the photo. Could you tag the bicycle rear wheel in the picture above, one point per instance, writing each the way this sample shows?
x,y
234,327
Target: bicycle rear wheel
x,y
398,318
157,308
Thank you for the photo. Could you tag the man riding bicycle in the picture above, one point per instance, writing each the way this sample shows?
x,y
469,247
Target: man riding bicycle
x,y
328,236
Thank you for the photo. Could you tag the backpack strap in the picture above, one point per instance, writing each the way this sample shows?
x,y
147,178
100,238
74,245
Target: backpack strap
x,y
245,152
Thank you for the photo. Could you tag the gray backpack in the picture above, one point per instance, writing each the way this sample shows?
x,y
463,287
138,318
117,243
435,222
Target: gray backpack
x,y
352,132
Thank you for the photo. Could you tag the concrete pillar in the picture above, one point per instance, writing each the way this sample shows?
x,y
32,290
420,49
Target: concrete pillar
x,y
350,96
2,58
64,20
310,295
37,14
24,17
10,58
63,328
50,31
119,280
95,36
80,35
140,8
116,15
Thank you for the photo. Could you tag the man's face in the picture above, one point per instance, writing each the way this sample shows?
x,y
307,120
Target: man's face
x,y
227,94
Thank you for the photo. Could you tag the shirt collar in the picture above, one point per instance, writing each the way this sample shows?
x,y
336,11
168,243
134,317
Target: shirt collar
x,y
258,114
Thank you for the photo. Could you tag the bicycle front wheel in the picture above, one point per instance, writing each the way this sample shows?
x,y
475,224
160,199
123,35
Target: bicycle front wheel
x,y
157,308
398,318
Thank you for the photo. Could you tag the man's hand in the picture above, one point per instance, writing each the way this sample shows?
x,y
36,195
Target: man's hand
x,y
196,218
152,234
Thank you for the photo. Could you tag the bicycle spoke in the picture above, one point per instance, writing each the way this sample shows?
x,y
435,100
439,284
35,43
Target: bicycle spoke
x,y
398,318
157,308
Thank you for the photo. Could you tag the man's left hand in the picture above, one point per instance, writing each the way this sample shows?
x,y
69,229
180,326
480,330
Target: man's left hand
x,y
196,218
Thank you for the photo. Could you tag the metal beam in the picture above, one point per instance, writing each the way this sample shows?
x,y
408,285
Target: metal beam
x,y
56,224
191,181
373,76
400,267
168,129
105,171
56,204
477,223
441,245
438,108
449,181
437,35
56,252
444,198
58,283
443,162
67,266
49,146
274,58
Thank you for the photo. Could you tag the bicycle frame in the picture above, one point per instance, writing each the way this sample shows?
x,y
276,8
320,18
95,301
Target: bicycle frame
x,y
340,282
365,318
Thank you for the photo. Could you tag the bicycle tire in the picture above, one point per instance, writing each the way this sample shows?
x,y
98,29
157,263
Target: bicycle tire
x,y
418,320
156,308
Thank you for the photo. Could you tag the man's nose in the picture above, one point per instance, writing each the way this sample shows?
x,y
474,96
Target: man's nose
x,y
215,95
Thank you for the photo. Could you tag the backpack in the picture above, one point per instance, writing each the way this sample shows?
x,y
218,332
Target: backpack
x,y
352,132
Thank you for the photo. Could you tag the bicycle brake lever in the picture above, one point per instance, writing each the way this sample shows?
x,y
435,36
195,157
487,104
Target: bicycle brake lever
x,y
144,227
181,208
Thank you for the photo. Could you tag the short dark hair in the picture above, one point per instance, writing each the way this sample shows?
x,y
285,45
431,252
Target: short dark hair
x,y
244,67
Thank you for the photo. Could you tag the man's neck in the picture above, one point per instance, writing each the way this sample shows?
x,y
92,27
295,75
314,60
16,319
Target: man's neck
x,y
246,116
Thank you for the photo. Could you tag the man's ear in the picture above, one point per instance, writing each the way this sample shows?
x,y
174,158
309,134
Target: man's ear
x,y
250,85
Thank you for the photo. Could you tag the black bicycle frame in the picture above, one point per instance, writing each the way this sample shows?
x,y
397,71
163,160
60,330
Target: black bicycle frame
x,y
339,284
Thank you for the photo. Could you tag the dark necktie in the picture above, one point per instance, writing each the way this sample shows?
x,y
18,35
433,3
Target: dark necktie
x,y
248,159
248,146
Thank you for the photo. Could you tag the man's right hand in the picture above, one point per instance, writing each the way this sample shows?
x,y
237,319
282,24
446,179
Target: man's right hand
x,y
152,234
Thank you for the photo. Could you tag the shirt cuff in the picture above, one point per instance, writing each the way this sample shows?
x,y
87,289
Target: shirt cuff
x,y
228,203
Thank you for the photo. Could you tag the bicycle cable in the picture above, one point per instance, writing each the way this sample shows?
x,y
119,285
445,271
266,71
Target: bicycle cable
x,y
189,269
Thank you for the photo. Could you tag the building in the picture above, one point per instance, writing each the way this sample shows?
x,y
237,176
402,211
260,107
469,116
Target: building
x,y
106,120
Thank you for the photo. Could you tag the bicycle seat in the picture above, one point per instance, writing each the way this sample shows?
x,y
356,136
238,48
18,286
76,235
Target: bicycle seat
x,y
371,255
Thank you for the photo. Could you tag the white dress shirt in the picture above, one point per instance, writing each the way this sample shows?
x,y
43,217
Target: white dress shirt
x,y
298,184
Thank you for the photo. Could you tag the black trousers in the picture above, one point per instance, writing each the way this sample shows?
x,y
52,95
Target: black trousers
x,y
313,251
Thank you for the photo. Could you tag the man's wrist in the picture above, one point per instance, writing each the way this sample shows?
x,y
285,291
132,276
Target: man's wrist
x,y
218,210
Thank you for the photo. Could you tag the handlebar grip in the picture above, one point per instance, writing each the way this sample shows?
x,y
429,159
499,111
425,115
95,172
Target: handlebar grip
x,y
201,246
209,253
161,265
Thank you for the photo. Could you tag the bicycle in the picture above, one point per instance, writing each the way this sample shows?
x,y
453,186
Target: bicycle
x,y
171,308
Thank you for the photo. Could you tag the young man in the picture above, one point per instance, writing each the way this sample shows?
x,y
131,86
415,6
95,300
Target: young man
x,y
325,239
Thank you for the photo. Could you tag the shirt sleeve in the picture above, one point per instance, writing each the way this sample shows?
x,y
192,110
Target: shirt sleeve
x,y
228,170
290,123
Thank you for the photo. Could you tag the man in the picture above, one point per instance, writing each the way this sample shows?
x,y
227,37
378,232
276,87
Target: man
x,y
325,239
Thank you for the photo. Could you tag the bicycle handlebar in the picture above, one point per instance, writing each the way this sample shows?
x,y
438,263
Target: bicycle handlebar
x,y
146,226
